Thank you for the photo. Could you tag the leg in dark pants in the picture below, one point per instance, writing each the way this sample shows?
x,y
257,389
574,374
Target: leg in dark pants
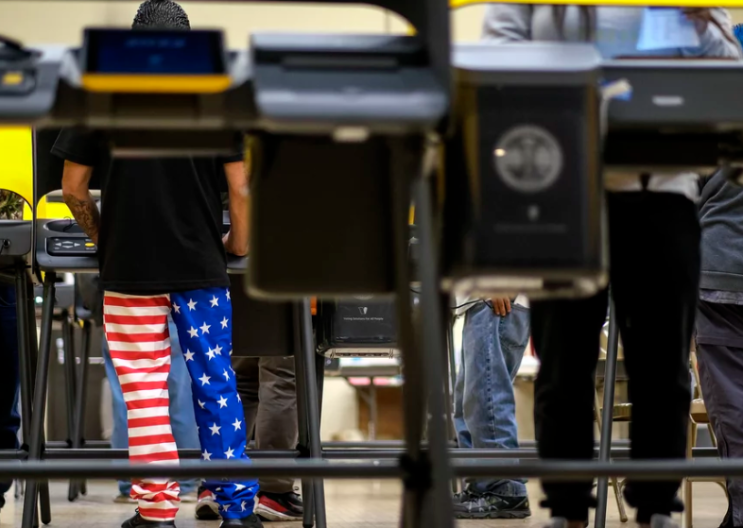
x,y
267,388
10,420
655,265
720,354
566,338
654,243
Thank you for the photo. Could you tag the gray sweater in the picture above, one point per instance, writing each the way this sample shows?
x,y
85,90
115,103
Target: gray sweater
x,y
616,32
721,218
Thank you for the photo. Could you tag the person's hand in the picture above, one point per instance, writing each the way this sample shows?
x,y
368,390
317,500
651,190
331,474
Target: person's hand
x,y
701,16
501,306
233,247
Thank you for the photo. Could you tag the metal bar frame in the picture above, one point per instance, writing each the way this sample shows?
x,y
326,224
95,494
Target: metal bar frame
x,y
36,440
312,403
78,487
105,454
607,419
42,470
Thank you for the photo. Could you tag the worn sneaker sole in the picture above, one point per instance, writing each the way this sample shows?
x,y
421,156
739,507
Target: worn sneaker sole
x,y
502,514
207,511
270,515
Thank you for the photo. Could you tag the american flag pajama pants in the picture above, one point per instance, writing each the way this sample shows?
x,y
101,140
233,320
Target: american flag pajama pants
x,y
137,332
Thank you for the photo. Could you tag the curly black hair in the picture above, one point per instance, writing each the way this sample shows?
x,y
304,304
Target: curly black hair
x,y
165,14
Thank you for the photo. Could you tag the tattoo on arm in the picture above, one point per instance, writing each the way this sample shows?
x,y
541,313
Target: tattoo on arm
x,y
87,215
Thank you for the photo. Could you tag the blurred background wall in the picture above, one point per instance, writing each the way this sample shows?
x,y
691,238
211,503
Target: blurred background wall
x,y
65,20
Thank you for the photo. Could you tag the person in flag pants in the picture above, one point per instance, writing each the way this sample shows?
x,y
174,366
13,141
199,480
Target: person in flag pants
x,y
161,252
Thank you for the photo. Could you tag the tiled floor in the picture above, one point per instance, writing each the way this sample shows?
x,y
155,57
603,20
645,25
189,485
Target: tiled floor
x,y
351,504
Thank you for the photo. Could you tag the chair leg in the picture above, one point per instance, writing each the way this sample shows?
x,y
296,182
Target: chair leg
x,y
687,483
36,440
620,501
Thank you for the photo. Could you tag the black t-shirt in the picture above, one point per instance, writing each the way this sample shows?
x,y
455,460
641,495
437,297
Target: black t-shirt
x,y
161,218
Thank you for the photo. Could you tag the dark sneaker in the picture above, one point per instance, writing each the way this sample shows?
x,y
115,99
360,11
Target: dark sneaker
x,y
471,506
137,522
280,506
207,508
251,521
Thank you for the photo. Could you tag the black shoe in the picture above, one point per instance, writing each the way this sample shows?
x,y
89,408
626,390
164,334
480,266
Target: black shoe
x,y
251,521
280,506
207,508
489,506
137,521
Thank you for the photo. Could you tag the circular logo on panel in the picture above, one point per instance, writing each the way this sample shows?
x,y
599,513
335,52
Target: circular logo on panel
x,y
528,158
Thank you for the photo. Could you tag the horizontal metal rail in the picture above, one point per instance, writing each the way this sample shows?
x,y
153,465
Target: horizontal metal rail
x,y
617,453
369,444
552,470
123,454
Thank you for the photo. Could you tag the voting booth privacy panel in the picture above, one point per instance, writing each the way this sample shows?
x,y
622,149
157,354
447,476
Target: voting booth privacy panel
x,y
523,192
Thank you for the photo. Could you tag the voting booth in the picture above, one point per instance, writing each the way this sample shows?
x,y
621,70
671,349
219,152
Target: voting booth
x,y
523,207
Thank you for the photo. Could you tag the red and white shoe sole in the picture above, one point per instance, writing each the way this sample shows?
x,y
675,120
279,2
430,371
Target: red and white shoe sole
x,y
271,515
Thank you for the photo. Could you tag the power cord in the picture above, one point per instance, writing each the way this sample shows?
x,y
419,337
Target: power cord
x,y
468,303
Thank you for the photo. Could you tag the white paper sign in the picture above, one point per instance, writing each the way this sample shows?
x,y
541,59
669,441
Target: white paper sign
x,y
666,28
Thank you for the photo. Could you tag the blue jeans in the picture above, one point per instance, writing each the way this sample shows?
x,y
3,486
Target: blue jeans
x,y
182,417
10,418
484,403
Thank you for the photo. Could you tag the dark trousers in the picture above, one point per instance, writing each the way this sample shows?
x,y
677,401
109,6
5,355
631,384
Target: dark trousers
x,y
10,419
268,391
654,263
720,354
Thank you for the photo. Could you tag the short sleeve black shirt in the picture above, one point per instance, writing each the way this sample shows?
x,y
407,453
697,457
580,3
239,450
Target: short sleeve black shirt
x,y
161,218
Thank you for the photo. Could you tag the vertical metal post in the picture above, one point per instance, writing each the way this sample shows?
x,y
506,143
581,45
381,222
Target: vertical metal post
x,y
450,367
438,502
80,396
69,367
303,422
610,375
373,410
313,411
36,439
414,387
24,348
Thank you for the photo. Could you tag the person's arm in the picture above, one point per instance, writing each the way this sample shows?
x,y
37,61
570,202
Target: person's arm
x,y
236,241
716,36
76,194
507,23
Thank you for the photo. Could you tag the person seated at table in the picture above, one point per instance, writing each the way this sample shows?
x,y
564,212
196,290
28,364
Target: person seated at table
x,y
169,210
495,335
654,272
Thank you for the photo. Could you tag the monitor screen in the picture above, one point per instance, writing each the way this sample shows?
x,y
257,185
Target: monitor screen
x,y
153,52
